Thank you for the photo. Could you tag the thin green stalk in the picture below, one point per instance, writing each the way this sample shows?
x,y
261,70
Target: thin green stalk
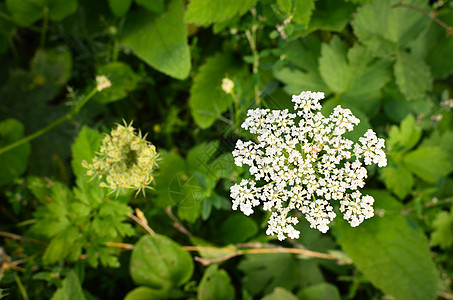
x,y
236,109
22,290
251,38
57,122
45,23
13,48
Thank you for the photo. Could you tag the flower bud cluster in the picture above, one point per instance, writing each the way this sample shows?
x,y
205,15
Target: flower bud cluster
x,y
125,160
306,165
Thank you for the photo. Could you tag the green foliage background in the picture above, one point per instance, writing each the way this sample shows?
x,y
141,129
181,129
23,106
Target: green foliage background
x,y
64,237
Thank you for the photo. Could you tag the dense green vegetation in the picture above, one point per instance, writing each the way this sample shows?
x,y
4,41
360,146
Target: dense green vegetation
x,y
63,236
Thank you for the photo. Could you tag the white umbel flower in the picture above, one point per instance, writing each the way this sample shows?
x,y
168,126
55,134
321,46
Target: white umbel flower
x,y
307,165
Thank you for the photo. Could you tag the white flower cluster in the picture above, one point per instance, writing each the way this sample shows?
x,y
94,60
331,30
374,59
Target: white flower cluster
x,y
306,165
125,161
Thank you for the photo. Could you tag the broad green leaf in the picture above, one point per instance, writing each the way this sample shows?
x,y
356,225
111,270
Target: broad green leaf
x,y
299,10
406,136
161,41
412,75
147,293
13,162
391,252
206,12
71,289
120,7
321,291
156,6
200,157
207,99
174,185
237,229
264,272
215,284
399,180
442,234
26,12
123,80
280,294
428,163
160,263
85,147
385,29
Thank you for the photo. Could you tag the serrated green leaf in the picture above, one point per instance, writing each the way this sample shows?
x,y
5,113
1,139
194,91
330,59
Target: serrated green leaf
x,y
237,229
207,99
399,180
299,10
85,147
406,136
391,253
330,15
384,29
13,162
123,80
412,75
156,6
26,12
161,41
353,74
333,66
206,12
71,289
304,54
215,284
428,163
159,262
120,7
61,245
442,234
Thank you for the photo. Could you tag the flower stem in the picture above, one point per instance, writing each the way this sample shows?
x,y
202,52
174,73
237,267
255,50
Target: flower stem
x,y
57,122
45,22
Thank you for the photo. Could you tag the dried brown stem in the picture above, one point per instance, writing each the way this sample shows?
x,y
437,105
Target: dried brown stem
x,y
141,223
176,223
21,238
